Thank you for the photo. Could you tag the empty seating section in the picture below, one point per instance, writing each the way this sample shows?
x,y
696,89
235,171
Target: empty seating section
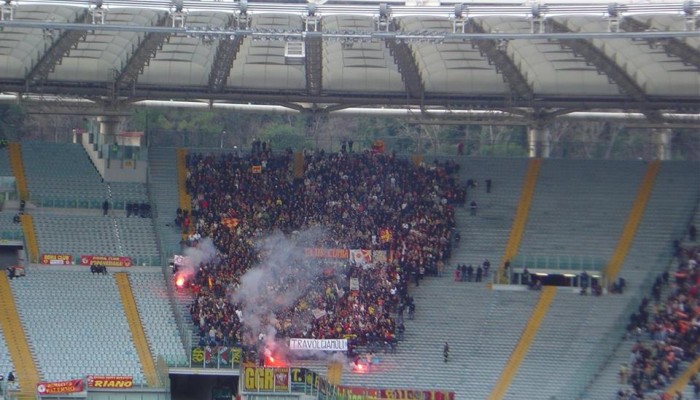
x,y
481,326
62,175
665,219
485,236
579,209
9,230
5,361
156,315
164,192
5,167
97,235
570,345
75,324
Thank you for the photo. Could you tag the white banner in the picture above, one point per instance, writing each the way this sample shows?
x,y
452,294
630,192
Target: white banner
x,y
319,344
361,257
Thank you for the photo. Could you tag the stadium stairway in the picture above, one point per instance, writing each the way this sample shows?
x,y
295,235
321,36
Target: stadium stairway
x,y
669,209
570,345
184,199
17,165
485,235
164,189
159,323
579,207
629,231
55,303
482,327
521,217
137,332
17,345
27,222
521,350
663,221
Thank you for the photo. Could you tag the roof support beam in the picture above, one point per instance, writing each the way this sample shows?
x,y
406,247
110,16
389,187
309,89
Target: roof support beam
x,y
605,65
226,54
60,48
314,65
403,58
674,47
497,55
408,68
141,55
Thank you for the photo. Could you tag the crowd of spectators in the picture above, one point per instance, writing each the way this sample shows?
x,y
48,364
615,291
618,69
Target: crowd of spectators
x,y
671,326
362,200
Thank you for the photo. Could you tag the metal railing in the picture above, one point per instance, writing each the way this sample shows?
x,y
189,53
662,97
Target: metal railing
x,y
558,262
209,357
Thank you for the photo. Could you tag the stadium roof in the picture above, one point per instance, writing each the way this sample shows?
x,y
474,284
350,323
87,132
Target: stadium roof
x,y
634,56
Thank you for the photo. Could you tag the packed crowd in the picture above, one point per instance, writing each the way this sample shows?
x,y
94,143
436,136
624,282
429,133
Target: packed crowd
x,y
361,200
672,325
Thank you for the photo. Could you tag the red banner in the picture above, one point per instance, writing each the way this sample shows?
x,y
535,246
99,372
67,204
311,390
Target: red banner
x,y
110,382
56,259
393,394
107,261
318,252
63,387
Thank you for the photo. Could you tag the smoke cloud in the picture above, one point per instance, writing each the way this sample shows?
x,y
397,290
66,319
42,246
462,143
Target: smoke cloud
x,y
202,253
276,284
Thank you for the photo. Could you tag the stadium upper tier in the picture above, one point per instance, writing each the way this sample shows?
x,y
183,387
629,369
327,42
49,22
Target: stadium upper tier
x,y
626,55
62,175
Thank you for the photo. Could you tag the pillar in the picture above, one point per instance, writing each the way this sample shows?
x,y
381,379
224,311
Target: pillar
x,y
538,138
663,138
109,128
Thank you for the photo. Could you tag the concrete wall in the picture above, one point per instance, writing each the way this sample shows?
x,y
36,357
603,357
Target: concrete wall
x,y
115,170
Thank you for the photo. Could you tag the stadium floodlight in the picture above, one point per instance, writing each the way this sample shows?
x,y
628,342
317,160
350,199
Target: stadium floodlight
x,y
459,10
613,17
178,5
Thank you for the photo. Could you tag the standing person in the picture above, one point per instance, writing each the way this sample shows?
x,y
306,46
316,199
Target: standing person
x,y
692,232
473,207
446,352
105,207
488,185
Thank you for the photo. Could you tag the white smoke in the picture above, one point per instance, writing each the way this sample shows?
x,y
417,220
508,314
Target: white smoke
x,y
203,252
280,279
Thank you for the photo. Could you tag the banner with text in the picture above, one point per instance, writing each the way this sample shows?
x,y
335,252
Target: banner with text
x,y
264,379
110,382
56,259
107,261
319,344
353,392
319,252
303,377
61,387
